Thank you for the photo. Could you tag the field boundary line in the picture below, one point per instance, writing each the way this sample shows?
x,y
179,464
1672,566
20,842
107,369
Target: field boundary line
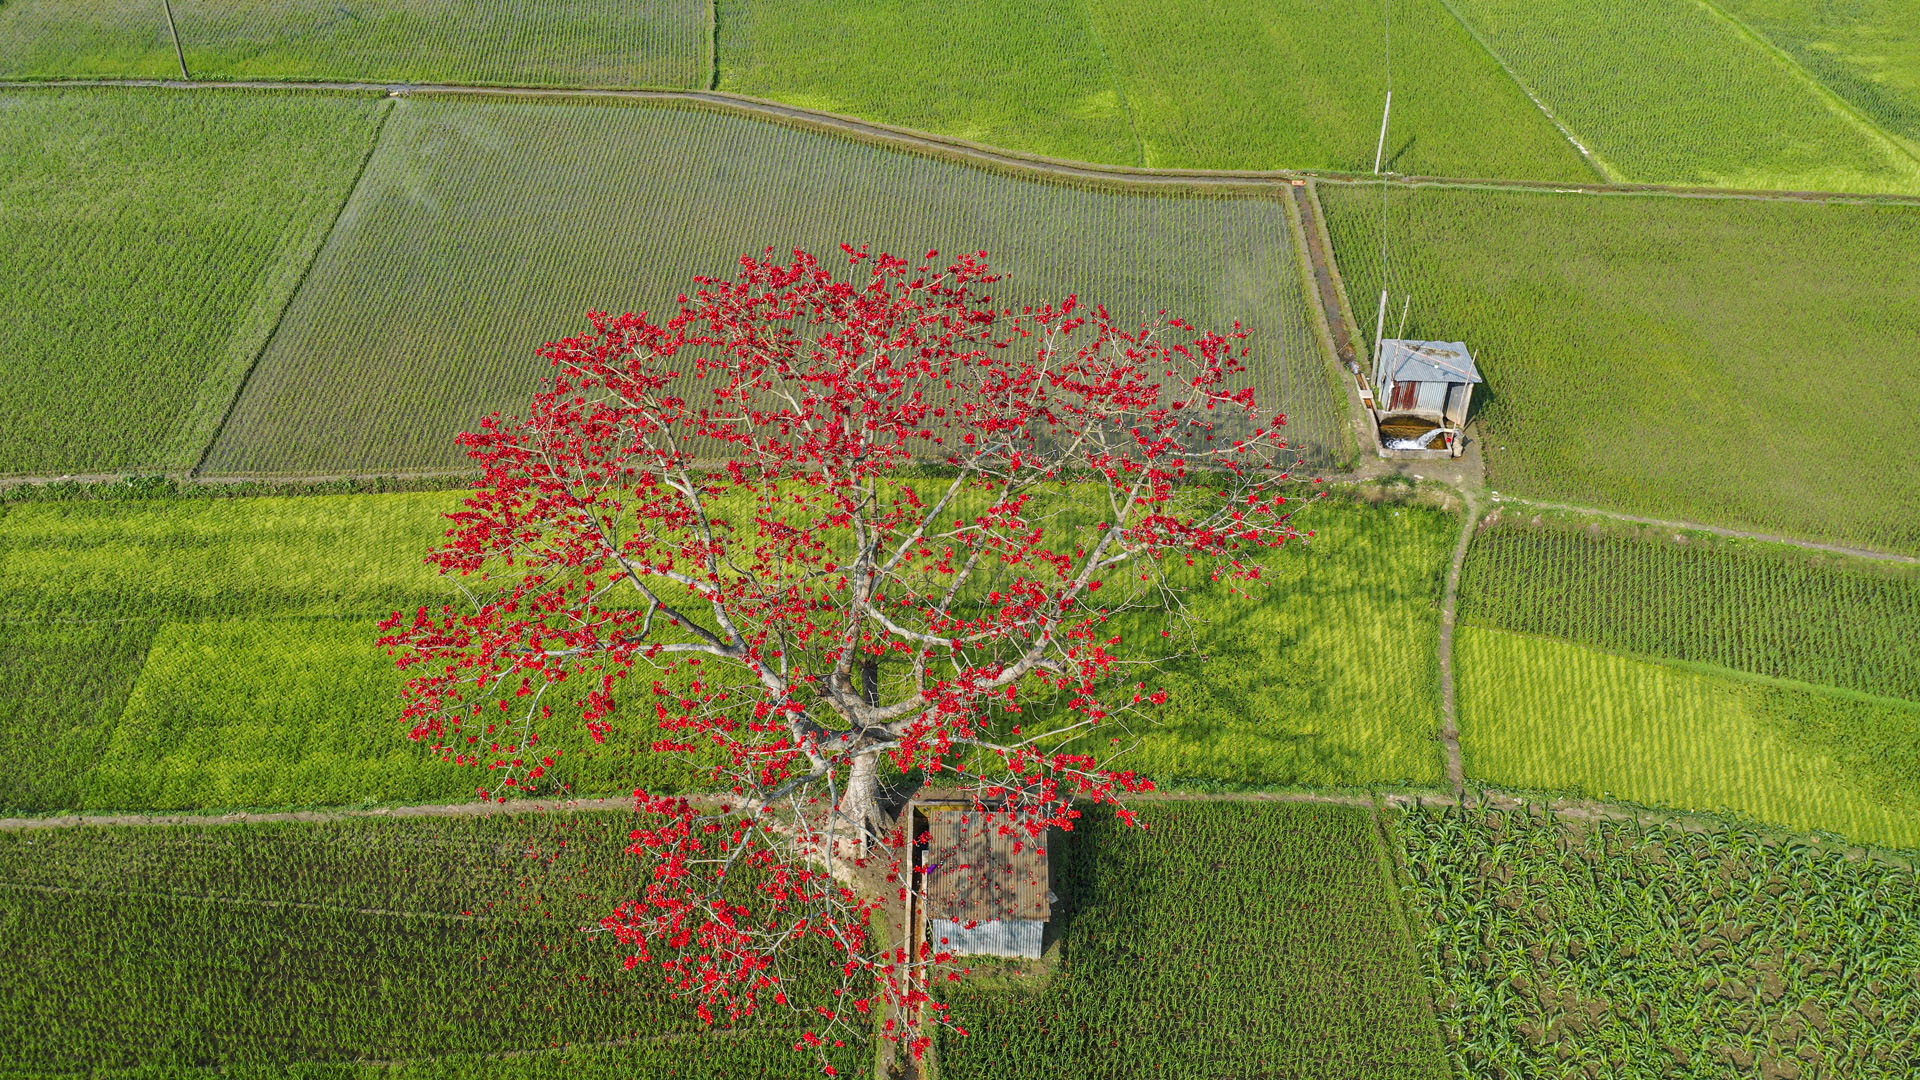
x,y
1820,89
1449,613
1333,328
319,249
1033,166
1575,807
1593,160
1717,530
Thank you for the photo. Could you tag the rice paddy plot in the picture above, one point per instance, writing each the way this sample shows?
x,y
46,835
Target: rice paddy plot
x,y
356,949
1671,92
219,653
1660,952
97,38
666,43
1543,715
1867,51
152,238
481,230
1227,939
1010,73
1299,84
1327,675
1765,609
1723,361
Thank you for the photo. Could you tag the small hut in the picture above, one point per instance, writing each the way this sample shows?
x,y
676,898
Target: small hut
x,y
986,891
1424,387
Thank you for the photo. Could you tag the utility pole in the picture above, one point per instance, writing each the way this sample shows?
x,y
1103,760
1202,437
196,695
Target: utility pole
x,y
179,53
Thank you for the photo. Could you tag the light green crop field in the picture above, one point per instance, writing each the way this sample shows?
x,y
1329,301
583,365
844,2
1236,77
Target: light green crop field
x,y
151,239
1660,952
1546,715
1670,92
1765,609
1257,84
1227,939
482,230
1011,73
556,43
1724,361
201,653
353,950
1326,676
180,653
1867,51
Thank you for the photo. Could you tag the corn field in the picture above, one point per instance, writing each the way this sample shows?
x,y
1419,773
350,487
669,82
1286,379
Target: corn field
x,y
1557,948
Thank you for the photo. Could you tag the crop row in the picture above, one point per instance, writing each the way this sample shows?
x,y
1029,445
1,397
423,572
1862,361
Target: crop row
x,y
152,239
1559,948
568,43
261,947
1686,359
1776,613
1671,92
1228,939
506,222
1545,715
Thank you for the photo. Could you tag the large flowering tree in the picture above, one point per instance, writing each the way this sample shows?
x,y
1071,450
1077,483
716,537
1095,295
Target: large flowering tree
x,y
825,535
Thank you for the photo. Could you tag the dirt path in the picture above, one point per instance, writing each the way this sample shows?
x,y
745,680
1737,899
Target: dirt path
x,y
1032,165
1449,607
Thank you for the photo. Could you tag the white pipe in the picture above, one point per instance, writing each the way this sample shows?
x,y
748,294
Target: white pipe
x,y
1380,151
1379,353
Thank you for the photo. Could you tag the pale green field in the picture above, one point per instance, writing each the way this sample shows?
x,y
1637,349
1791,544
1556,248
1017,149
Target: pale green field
x,y
1540,714
151,239
554,43
482,230
1021,74
1271,84
1667,91
1867,51
1726,361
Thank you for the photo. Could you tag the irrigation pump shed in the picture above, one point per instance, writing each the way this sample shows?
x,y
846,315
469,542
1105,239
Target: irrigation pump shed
x,y
986,888
1425,391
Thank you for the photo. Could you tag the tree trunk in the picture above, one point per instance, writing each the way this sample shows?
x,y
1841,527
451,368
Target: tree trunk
x,y
859,808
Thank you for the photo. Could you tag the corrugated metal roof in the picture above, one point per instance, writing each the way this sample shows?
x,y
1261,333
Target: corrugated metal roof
x,y
1001,937
976,872
1427,361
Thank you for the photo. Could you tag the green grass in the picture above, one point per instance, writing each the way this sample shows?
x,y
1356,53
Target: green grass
x,y
1556,948
1228,939
1326,677
1667,91
1867,51
152,239
313,949
1769,610
482,230
1010,73
1723,361
1258,84
1539,714
563,43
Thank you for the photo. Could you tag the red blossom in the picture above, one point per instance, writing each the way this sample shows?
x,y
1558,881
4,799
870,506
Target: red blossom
x,y
814,533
